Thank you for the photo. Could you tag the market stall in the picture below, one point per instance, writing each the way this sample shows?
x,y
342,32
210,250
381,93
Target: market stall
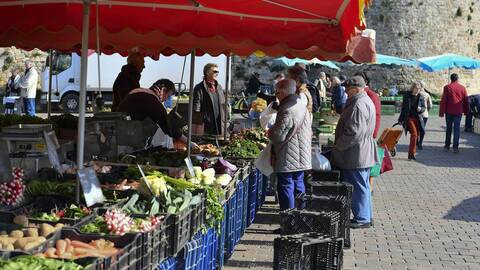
x,y
164,205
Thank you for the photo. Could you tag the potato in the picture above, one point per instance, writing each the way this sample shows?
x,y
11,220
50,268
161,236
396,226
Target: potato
x,y
59,226
28,242
5,241
16,234
9,247
46,229
21,220
32,232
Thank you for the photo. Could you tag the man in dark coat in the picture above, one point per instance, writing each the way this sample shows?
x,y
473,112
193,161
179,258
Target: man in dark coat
x,y
473,111
128,79
208,104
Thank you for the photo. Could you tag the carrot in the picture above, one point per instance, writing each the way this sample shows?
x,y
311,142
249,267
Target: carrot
x,y
97,252
50,253
79,244
61,247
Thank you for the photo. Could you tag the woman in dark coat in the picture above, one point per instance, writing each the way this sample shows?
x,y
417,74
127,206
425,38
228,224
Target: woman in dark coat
x,y
411,117
208,104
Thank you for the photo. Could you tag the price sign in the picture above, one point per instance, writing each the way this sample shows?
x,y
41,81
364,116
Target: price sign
x,y
189,163
91,186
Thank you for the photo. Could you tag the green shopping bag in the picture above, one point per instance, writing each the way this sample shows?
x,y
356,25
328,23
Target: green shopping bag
x,y
375,171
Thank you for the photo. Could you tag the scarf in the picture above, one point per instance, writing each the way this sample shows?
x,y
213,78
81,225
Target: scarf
x,y
211,85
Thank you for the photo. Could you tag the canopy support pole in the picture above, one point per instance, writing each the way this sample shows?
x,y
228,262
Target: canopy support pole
x,y
190,101
83,92
50,71
227,90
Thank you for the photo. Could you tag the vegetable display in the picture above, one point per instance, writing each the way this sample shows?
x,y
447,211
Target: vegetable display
x,y
74,249
71,212
45,188
11,193
37,263
117,222
27,239
241,149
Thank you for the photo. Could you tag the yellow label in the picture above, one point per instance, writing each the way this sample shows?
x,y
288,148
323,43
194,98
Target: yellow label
x,y
40,146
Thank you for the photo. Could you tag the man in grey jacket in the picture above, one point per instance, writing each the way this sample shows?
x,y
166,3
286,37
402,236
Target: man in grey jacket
x,y
355,149
291,138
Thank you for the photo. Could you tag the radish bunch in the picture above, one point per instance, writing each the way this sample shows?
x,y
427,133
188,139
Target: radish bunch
x,y
11,193
117,222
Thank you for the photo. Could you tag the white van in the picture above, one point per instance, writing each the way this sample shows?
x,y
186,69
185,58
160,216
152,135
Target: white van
x,y
66,75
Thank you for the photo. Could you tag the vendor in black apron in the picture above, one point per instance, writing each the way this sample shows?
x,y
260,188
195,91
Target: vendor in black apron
x,y
141,103
208,103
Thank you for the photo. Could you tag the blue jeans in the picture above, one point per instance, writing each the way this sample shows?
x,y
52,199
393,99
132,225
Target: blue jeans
x,y
453,119
362,196
289,186
29,106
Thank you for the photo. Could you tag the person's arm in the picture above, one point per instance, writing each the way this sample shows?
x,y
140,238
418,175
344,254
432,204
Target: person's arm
x,y
197,116
353,131
443,103
156,111
26,80
465,102
421,105
402,118
279,131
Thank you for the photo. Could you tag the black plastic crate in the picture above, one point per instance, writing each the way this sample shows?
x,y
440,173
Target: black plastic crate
x,y
198,214
129,258
294,221
179,230
307,251
322,176
330,189
341,204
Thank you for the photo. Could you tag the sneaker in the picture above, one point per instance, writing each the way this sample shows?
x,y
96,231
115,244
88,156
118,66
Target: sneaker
x,y
455,150
411,157
355,225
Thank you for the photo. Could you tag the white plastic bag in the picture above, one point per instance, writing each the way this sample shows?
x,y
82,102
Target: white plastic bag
x,y
162,139
320,162
267,117
264,161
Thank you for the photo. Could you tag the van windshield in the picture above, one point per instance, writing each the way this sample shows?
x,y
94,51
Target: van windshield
x,y
61,62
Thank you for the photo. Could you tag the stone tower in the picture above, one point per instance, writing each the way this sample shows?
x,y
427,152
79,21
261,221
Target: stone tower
x,y
419,28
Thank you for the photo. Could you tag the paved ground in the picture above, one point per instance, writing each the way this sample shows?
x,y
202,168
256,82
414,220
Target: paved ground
x,y
427,213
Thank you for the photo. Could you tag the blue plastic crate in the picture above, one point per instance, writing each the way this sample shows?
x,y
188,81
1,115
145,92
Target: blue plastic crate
x,y
168,264
221,236
259,189
230,225
193,255
209,250
245,203
239,213
252,198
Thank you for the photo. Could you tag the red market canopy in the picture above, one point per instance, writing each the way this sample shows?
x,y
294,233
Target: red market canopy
x,y
300,28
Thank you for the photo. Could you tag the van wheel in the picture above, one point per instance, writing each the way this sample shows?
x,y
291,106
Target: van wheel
x,y
70,102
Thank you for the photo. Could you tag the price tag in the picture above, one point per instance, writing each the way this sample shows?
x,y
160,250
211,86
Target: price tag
x,y
189,163
91,186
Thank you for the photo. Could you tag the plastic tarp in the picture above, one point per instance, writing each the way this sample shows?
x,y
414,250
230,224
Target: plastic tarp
x,y
301,28
447,61
393,60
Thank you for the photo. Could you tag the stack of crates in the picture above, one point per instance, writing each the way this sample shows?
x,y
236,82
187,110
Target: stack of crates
x,y
309,251
200,253
388,109
252,197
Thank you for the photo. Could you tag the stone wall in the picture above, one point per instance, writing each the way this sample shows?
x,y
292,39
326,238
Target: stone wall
x,y
419,28
11,58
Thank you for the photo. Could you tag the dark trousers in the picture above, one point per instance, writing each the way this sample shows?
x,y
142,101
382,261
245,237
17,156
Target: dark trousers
x,y
288,187
453,121
469,122
422,133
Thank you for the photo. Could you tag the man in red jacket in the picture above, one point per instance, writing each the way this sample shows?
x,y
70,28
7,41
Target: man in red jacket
x,y
454,102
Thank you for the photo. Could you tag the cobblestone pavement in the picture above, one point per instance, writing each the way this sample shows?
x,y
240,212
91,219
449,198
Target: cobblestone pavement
x,y
426,213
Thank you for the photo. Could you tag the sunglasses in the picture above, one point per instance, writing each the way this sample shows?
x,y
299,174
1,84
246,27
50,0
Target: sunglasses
x,y
216,71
